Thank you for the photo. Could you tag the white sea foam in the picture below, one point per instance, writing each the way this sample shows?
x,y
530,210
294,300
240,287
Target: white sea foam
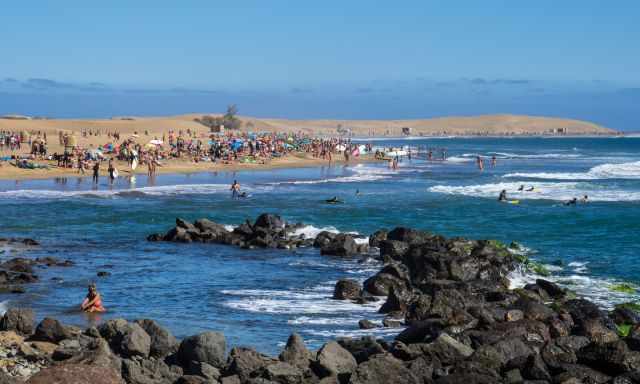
x,y
4,305
310,232
165,190
629,170
294,302
354,333
562,191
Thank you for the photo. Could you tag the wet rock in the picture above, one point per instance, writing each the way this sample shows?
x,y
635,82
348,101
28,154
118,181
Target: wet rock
x,y
18,319
347,289
207,347
341,245
391,323
333,360
51,330
273,223
323,239
398,300
163,342
552,289
393,249
376,237
295,352
409,235
126,339
447,349
366,324
103,274
381,283
576,374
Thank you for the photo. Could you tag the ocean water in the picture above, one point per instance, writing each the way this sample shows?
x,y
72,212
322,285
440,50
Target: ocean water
x,y
259,297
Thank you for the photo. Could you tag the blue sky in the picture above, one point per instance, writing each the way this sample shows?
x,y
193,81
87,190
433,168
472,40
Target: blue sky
x,y
349,59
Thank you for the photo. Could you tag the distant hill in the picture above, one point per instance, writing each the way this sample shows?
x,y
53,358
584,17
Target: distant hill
x,y
447,126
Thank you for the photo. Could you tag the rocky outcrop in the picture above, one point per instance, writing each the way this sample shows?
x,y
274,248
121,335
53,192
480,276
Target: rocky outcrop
x,y
463,325
18,271
268,231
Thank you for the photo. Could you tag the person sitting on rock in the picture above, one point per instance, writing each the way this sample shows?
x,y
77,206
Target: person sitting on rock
x,y
93,301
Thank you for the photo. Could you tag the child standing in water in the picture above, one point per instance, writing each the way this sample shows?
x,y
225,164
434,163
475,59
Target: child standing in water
x,y
93,301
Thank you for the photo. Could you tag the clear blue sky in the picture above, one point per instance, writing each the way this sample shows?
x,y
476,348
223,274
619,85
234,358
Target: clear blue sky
x,y
346,59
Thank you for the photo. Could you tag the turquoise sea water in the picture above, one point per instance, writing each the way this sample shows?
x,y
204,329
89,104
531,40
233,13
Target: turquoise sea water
x,y
259,297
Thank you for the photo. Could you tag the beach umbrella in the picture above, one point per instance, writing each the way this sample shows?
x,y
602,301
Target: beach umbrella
x,y
156,142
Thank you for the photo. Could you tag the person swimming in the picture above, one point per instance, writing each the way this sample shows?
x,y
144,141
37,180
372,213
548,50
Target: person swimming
x,y
93,301
503,195
235,189
573,201
358,192
333,200
585,199
521,187
531,189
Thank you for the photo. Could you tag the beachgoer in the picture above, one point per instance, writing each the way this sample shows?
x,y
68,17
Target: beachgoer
x,y
494,161
235,189
93,301
573,201
585,199
358,192
334,199
531,189
503,195
111,169
521,187
96,169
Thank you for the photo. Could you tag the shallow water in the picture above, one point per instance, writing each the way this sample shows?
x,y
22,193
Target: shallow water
x,y
259,297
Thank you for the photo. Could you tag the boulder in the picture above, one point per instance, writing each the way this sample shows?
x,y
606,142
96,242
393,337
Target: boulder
x,y
361,348
366,324
611,358
181,223
563,350
207,347
20,320
393,249
447,349
333,360
208,226
281,372
421,331
376,237
380,284
76,374
347,289
295,352
126,339
323,238
243,362
382,369
409,235
163,342
552,289
398,300
51,330
273,223
341,245
145,371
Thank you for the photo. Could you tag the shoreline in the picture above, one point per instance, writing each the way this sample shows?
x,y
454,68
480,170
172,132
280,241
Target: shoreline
x,y
9,172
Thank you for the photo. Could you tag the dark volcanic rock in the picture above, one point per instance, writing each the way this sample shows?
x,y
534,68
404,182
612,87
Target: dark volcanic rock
x,y
163,342
347,289
377,237
295,352
18,319
208,347
332,359
51,330
383,369
341,245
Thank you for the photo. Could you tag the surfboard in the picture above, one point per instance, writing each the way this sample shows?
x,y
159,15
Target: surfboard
x,y
134,164
513,201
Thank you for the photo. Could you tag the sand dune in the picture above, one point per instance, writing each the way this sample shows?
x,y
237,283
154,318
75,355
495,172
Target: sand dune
x,y
476,125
